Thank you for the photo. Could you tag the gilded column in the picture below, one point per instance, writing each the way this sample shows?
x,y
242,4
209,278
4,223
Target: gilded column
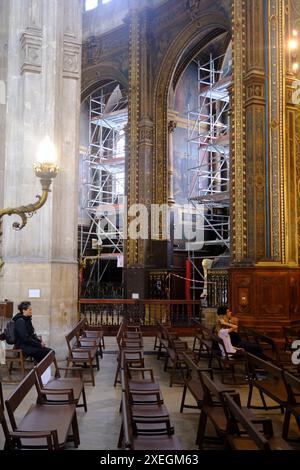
x,y
238,188
292,27
133,123
145,126
256,155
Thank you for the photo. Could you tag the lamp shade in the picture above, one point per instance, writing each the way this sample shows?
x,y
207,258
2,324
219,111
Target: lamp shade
x,y
46,153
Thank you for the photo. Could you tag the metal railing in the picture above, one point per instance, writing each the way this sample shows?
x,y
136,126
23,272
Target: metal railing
x,y
110,312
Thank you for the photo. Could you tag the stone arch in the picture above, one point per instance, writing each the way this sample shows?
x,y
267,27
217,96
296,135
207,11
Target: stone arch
x,y
97,75
199,32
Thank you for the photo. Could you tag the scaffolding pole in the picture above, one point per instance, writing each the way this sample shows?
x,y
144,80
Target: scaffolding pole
x,y
103,179
208,158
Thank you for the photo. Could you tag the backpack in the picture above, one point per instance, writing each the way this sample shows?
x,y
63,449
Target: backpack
x,y
9,332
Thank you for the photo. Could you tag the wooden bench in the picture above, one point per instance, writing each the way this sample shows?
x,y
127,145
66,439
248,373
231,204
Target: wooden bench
x,y
74,384
43,417
14,439
254,440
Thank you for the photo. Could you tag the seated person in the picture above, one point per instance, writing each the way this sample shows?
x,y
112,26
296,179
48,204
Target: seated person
x,y
26,339
229,321
224,330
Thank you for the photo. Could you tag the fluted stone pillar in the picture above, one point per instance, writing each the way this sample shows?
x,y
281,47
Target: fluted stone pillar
x,y
43,98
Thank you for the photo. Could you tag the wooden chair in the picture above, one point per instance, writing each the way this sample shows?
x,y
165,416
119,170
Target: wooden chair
x,y
226,361
213,409
57,383
271,351
194,385
94,331
255,440
81,355
293,404
271,384
130,438
43,417
14,356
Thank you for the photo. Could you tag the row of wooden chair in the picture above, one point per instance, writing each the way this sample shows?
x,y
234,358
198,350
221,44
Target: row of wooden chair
x,y
130,346
146,422
85,347
212,399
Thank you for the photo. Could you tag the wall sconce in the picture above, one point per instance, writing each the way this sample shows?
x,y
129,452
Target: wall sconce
x,y
46,169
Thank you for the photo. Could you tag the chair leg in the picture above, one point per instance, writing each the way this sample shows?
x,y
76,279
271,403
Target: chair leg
x,y
92,371
120,440
75,431
250,395
183,398
97,362
201,429
84,399
286,425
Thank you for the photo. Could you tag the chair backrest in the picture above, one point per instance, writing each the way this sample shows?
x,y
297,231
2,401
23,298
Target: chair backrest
x,y
18,396
212,389
43,365
293,385
69,339
255,363
238,415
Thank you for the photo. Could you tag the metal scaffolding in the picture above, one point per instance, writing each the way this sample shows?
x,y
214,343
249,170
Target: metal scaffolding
x,y
103,179
208,158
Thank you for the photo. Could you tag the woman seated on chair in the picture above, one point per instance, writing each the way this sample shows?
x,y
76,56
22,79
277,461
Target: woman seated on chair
x,y
26,339
230,324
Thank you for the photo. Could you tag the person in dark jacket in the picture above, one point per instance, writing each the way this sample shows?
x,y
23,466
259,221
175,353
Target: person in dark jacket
x,y
26,339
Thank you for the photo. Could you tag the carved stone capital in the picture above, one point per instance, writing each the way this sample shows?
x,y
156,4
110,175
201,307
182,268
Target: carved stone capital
x,y
71,60
31,47
146,131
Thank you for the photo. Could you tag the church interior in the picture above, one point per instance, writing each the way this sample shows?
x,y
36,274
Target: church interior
x,y
155,247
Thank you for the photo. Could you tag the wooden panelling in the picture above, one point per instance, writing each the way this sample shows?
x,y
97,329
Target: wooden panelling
x,y
266,298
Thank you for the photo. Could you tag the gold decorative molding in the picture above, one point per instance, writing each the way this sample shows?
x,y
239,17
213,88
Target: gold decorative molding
x,y
238,174
277,152
133,124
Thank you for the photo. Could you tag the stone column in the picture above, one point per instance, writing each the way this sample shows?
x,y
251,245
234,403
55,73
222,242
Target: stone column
x,y
43,88
4,8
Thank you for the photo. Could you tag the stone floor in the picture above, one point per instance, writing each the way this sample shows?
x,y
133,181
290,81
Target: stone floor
x,y
99,427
